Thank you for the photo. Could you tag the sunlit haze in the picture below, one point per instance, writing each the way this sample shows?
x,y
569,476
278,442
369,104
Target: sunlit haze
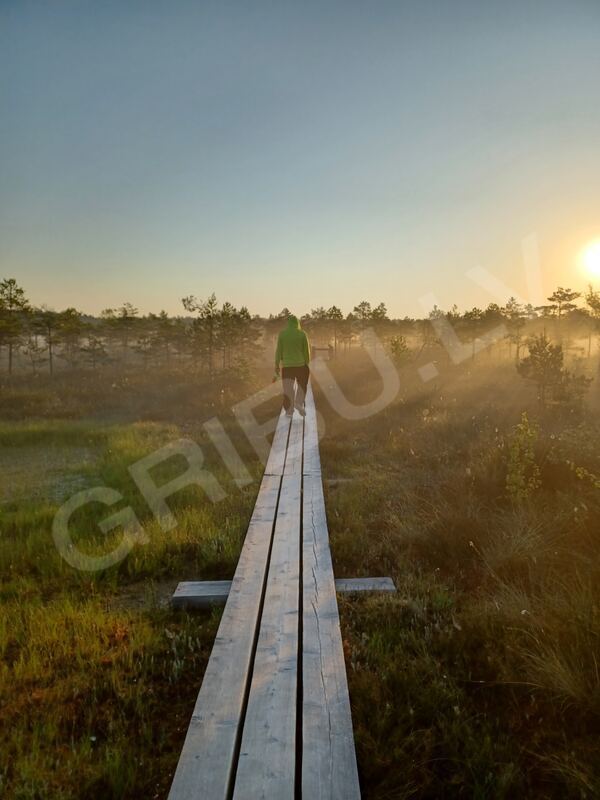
x,y
591,259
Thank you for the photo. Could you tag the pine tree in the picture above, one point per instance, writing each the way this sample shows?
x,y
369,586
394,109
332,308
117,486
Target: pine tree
x,y
335,316
13,309
47,323
592,299
94,351
514,314
121,325
543,365
561,301
205,329
70,330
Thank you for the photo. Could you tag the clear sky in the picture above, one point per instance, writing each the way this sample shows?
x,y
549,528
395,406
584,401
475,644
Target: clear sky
x,y
294,153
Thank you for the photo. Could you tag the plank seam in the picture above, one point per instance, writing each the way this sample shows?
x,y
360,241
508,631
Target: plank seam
x,y
300,667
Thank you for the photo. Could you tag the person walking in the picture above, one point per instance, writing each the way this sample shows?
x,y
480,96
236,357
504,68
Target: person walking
x,y
293,353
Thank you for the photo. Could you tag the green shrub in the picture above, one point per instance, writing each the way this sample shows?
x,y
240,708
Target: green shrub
x,y
523,473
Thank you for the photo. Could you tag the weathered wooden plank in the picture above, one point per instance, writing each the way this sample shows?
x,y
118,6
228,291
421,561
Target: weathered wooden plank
x,y
358,585
266,765
200,594
312,459
277,454
295,450
204,594
207,762
329,770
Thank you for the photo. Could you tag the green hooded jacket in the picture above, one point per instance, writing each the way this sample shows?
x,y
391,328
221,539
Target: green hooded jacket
x,y
292,346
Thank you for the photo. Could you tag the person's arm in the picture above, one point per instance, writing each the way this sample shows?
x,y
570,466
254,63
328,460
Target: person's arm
x,y
278,354
306,348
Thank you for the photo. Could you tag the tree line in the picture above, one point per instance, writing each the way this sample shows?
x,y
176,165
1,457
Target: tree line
x,y
214,338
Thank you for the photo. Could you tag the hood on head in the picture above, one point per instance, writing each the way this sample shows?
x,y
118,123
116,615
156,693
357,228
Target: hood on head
x,y
293,322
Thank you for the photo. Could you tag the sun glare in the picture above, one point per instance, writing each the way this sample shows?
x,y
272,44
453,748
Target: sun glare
x,y
591,259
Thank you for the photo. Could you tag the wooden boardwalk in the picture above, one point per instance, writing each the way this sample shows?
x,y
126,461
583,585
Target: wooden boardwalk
x,y
272,719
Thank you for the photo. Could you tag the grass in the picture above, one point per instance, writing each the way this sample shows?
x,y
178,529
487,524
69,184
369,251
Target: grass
x,y
86,687
26,549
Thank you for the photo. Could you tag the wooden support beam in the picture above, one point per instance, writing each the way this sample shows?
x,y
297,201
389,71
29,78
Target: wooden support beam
x,y
359,585
200,594
205,594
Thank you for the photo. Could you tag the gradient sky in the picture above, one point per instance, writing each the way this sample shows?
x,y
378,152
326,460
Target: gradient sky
x,y
294,153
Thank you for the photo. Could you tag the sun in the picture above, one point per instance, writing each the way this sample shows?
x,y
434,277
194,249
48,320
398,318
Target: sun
x,y
590,259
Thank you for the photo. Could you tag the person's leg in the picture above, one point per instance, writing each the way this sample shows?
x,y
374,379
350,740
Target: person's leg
x,y
302,375
287,381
